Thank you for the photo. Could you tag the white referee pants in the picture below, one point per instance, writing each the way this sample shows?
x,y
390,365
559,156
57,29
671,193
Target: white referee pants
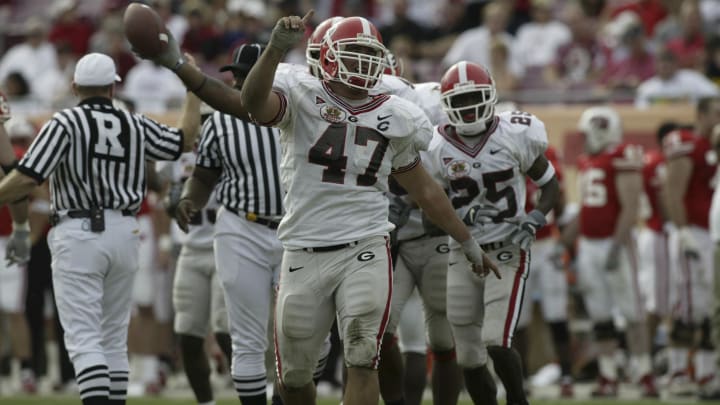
x,y
248,257
93,276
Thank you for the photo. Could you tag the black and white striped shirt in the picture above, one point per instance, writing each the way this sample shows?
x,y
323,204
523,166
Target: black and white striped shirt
x,y
95,155
249,157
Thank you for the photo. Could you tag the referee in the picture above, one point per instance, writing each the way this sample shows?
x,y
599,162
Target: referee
x,y
94,155
243,160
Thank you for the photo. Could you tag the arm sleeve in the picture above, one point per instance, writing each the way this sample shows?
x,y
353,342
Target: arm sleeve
x,y
208,155
407,148
283,88
161,141
47,150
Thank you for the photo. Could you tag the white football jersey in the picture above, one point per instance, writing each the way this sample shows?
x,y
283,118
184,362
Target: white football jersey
x,y
430,101
337,155
496,165
198,236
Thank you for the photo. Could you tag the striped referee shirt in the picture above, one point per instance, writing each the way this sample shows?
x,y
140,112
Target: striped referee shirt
x,y
249,157
94,155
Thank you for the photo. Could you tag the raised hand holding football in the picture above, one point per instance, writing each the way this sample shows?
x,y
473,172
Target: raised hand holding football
x,y
145,31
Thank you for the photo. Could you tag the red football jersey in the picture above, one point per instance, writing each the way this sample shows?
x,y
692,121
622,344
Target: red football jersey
x,y
599,203
698,195
5,218
654,164
533,194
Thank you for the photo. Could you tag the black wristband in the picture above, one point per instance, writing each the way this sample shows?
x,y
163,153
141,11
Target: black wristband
x,y
8,168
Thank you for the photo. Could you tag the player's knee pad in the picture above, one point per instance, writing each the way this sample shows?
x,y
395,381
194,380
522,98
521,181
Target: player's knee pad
x,y
458,311
605,330
296,316
294,379
682,333
361,348
440,334
469,348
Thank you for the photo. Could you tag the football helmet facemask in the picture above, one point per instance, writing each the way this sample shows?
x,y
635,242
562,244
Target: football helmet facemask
x,y
352,53
468,97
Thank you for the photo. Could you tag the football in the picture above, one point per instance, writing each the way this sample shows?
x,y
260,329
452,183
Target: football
x,y
145,30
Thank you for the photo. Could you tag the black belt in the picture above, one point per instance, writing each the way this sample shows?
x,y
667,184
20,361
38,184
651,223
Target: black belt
x,y
330,248
197,219
252,217
55,217
86,213
493,245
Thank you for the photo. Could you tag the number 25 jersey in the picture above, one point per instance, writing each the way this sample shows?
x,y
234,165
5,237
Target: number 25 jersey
x,y
337,155
497,165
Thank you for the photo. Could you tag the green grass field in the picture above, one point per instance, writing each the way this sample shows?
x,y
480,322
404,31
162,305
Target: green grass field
x,y
167,401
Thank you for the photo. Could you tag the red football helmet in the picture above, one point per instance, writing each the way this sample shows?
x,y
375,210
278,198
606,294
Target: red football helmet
x,y
468,118
394,66
352,53
312,52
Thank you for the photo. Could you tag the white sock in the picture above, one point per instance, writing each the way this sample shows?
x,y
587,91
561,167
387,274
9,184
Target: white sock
x,y
150,368
608,367
643,365
704,364
678,358
207,403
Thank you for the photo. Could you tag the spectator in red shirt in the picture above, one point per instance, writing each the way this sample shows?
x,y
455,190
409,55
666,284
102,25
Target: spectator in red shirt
x,y
690,46
70,28
650,12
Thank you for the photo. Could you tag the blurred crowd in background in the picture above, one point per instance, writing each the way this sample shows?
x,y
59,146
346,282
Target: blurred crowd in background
x,y
539,51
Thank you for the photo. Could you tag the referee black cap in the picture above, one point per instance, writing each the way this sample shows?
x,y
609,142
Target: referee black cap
x,y
243,59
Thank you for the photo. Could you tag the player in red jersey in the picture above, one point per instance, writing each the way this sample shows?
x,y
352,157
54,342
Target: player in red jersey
x,y
547,283
13,276
17,249
611,183
691,165
652,238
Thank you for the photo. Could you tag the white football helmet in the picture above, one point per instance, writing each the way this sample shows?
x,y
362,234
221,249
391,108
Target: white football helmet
x,y
601,127
463,78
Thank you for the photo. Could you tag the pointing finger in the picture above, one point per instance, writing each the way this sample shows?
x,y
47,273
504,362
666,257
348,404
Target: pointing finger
x,y
308,16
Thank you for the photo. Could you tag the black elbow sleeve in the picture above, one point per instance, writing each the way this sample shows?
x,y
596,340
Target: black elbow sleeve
x,y
10,167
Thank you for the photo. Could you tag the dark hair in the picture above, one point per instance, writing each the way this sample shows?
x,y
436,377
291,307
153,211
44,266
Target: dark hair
x,y
20,81
89,91
665,128
703,105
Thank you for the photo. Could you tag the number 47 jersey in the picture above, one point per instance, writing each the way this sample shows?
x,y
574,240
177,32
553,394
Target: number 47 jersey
x,y
337,155
496,165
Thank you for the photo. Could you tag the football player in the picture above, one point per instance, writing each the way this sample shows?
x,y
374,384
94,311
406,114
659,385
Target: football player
x,y
687,191
610,189
483,159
